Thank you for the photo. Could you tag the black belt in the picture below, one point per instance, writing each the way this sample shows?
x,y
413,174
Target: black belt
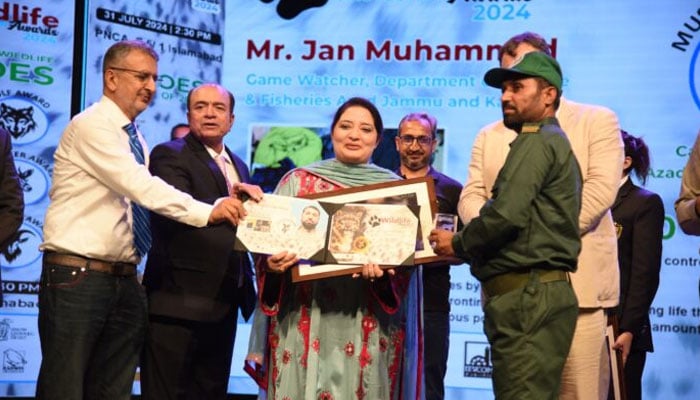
x,y
509,281
75,261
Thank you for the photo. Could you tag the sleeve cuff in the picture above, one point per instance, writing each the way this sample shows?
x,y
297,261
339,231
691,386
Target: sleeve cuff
x,y
199,213
457,246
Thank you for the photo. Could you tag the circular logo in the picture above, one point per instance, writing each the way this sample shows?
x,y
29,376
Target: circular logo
x,y
33,178
694,76
24,119
22,251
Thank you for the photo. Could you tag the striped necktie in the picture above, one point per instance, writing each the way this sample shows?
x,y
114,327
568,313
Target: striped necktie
x,y
142,224
221,162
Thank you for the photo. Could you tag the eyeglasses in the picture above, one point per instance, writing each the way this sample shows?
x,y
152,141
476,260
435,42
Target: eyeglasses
x,y
407,140
141,76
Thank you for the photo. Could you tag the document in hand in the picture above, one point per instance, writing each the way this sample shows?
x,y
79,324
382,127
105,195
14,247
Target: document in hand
x,y
349,239
326,232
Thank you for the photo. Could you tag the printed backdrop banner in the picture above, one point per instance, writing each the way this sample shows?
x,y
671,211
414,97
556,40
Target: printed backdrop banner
x,y
35,76
291,63
36,55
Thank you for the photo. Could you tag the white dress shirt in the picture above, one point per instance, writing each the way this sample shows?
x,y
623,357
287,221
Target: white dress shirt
x,y
231,173
95,178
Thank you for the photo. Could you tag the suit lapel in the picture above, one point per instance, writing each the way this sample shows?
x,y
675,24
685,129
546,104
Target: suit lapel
x,y
238,165
203,155
623,192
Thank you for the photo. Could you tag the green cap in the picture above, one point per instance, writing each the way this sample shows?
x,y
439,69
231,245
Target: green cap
x,y
533,64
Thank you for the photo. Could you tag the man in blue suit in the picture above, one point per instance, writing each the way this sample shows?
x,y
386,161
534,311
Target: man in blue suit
x,y
195,281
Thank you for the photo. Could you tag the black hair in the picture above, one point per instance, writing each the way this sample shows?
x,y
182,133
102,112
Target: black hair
x,y
421,116
364,103
638,151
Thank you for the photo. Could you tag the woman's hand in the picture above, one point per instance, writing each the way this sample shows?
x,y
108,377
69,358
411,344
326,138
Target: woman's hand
x,y
280,262
373,271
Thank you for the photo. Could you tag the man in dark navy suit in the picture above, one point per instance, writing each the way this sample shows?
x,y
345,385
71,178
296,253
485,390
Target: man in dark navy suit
x,y
195,281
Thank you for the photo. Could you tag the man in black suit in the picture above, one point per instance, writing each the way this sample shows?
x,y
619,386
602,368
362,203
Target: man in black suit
x,y
194,280
11,196
639,219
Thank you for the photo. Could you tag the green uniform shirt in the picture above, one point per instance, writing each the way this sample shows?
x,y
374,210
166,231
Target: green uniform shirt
x,y
532,219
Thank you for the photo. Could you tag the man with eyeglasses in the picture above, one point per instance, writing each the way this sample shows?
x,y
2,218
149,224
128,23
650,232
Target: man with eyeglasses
x,y
92,309
416,143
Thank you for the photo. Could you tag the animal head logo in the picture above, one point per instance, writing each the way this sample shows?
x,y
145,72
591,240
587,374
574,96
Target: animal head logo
x,y
24,175
34,176
21,250
289,9
25,118
14,249
17,121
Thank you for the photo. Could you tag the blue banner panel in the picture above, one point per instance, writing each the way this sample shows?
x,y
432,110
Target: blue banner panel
x,y
188,37
36,57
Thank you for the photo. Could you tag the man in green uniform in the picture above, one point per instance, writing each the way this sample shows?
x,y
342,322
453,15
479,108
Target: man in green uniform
x,y
526,238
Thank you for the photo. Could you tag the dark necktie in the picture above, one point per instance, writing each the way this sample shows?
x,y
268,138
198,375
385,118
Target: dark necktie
x,y
142,223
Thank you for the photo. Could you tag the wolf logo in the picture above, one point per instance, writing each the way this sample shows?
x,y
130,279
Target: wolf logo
x,y
17,121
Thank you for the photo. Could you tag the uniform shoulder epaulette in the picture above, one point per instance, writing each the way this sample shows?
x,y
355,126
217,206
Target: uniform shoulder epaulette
x,y
531,127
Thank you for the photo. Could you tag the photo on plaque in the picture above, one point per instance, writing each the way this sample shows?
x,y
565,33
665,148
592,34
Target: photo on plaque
x,y
330,232
279,223
417,194
376,233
